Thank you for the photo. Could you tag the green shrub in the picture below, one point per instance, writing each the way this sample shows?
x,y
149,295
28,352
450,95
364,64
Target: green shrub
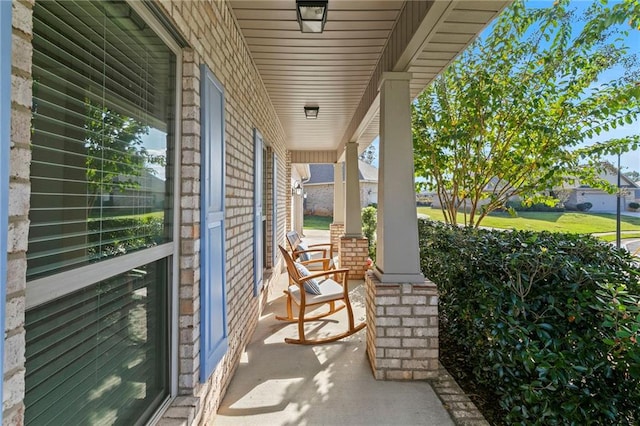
x,y
584,207
549,321
369,225
537,207
634,205
117,235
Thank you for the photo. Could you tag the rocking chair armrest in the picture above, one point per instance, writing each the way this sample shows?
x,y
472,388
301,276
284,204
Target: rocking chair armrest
x,y
324,273
296,253
320,245
309,250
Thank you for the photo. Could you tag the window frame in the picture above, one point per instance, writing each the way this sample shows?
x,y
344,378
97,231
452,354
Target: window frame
x,y
258,222
46,289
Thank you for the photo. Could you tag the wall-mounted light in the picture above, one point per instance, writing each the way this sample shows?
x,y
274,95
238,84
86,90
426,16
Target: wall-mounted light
x,y
311,112
312,15
296,189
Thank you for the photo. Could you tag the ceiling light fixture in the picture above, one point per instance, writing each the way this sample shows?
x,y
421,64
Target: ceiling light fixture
x,y
312,15
311,112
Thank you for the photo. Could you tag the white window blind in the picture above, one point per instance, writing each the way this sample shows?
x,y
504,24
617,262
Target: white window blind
x,y
103,91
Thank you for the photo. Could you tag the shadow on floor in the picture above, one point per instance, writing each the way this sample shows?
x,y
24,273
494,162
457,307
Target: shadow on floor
x,y
332,384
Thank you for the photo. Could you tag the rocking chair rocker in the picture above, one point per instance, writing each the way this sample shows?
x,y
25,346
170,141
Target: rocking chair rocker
x,y
325,290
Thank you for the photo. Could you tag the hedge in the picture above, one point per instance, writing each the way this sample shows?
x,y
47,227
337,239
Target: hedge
x,y
549,321
113,236
537,207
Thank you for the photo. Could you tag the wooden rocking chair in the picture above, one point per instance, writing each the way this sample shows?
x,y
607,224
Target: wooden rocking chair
x,y
330,291
301,252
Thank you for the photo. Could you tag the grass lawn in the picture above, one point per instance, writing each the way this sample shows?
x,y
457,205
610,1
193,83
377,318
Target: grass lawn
x,y
571,222
318,222
623,235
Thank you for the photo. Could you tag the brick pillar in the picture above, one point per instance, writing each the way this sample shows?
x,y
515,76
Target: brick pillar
x,y
336,230
402,329
354,253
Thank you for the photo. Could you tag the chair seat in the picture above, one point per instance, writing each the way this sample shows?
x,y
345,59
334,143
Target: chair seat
x,y
330,290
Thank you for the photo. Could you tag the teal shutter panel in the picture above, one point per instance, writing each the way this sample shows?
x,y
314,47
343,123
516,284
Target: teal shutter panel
x,y
213,310
258,232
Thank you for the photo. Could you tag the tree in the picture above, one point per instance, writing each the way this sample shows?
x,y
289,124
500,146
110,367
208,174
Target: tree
x,y
633,175
369,154
116,156
513,115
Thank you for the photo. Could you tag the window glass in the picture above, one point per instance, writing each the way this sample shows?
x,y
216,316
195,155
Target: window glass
x,y
98,356
103,100
101,186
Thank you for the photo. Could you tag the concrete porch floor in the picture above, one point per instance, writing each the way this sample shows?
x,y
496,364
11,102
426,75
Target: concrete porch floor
x,y
332,384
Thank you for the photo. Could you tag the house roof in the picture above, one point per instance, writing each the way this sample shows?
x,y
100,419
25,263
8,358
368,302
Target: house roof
x,y
609,173
323,173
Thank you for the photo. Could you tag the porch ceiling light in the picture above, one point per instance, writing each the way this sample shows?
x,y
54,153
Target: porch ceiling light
x,y
312,15
311,112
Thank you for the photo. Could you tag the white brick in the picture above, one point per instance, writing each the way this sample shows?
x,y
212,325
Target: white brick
x,y
14,313
14,348
425,310
21,52
21,18
13,391
18,198
16,273
20,162
21,91
18,236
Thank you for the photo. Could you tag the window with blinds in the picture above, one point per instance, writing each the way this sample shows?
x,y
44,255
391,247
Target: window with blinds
x,y
99,356
104,88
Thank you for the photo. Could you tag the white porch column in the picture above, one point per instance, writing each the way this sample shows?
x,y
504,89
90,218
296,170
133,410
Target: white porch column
x,y
353,222
298,212
336,229
354,248
397,254
338,194
400,302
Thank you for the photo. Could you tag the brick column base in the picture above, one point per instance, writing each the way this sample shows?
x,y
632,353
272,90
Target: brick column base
x,y
402,329
354,253
336,230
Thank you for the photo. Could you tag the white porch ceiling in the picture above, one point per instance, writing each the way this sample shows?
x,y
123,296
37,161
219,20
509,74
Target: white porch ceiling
x,y
334,69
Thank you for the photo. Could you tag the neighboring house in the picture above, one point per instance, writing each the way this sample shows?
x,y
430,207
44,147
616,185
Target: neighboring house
x,y
493,186
142,192
602,201
319,188
141,318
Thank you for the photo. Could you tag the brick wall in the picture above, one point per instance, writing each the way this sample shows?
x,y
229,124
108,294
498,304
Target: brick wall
x,y
402,329
336,230
19,192
319,199
215,39
354,253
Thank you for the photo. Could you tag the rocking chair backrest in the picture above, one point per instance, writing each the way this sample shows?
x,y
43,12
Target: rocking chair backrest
x,y
291,268
293,238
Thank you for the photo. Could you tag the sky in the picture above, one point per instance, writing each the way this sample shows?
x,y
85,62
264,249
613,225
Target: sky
x,y
629,161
